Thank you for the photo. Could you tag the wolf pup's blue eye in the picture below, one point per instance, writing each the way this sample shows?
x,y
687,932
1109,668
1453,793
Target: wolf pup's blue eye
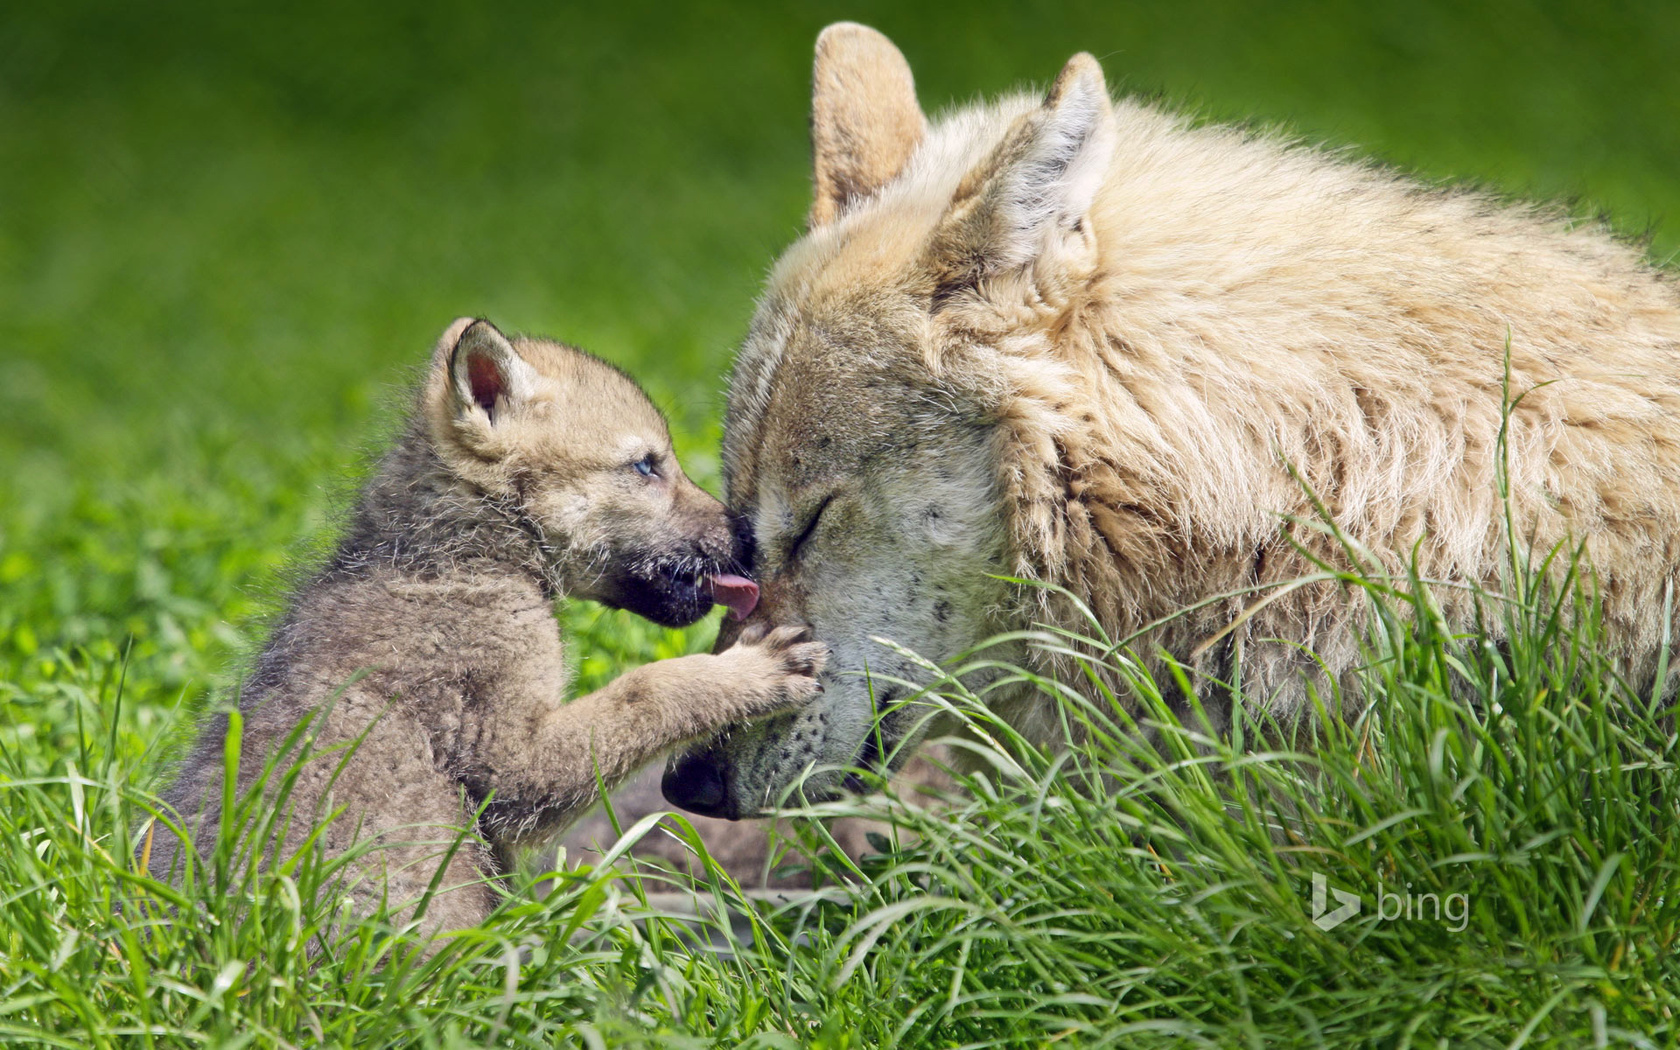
x,y
644,466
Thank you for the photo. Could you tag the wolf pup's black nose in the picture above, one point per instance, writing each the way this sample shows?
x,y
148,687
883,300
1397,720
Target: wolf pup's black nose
x,y
695,782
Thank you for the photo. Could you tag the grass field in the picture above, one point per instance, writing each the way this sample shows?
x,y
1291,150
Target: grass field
x,y
227,236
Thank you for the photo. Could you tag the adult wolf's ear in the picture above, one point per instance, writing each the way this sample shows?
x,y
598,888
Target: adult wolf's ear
x,y
486,374
865,121
1036,189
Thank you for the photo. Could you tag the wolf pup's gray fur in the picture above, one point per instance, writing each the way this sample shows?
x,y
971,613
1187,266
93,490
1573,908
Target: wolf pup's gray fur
x,y
529,471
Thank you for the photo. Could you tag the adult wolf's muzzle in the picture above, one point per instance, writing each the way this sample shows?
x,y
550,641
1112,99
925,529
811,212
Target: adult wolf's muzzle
x,y
703,780
696,782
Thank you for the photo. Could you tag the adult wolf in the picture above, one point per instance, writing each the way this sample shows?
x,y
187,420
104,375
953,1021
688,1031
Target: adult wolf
x,y
1082,341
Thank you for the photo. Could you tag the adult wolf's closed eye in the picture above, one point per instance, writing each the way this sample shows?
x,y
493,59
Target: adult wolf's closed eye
x,y
810,527
1109,347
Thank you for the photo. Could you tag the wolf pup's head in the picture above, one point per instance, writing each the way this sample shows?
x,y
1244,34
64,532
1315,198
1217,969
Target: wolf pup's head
x,y
870,404
575,453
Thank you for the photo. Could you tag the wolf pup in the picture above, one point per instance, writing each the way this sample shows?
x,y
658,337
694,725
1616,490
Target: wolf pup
x,y
529,471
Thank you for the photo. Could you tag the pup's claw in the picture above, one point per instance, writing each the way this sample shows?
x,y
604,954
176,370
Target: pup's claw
x,y
794,660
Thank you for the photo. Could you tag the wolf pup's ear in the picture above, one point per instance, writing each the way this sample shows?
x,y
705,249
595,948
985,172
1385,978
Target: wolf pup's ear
x,y
1036,189
865,121
486,374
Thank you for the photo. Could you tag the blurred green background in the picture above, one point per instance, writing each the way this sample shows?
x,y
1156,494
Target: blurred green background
x,y
229,232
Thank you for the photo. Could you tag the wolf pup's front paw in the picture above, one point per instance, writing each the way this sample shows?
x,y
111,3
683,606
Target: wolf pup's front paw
x,y
778,668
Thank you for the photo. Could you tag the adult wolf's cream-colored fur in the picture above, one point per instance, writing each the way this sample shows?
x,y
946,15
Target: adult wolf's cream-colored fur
x,y
426,657
1081,340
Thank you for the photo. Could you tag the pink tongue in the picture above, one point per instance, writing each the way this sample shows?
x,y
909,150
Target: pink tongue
x,y
737,592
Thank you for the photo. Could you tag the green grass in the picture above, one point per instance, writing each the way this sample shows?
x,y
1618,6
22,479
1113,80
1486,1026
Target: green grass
x,y
227,236
1132,896
1506,817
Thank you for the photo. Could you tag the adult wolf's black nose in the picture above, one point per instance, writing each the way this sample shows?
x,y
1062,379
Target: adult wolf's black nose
x,y
695,782
741,537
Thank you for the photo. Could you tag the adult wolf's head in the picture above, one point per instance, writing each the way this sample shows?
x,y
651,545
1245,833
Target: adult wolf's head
x,y
890,375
